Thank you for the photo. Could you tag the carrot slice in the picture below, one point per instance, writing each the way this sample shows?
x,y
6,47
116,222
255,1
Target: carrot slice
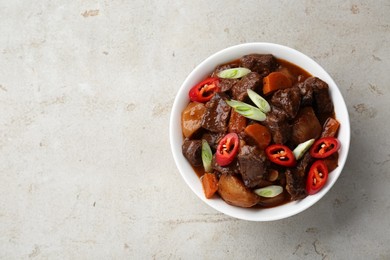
x,y
331,126
275,81
210,184
259,134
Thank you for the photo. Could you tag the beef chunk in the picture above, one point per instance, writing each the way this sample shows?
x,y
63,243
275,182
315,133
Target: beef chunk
x,y
251,81
322,101
227,84
252,165
296,178
295,185
217,114
213,139
304,164
231,168
288,99
332,161
306,91
276,122
263,64
192,150
305,126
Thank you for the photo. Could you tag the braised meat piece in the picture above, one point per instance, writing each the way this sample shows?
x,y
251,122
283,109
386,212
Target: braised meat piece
x,y
227,84
263,64
305,126
306,90
332,161
303,165
252,165
295,186
251,81
289,100
232,168
296,178
276,122
322,101
192,150
217,114
213,139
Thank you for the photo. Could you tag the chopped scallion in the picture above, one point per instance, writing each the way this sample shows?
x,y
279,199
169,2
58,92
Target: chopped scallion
x,y
269,191
246,110
207,156
259,101
234,103
233,73
301,149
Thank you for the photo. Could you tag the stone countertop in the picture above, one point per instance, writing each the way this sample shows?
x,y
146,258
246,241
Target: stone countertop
x,y
86,89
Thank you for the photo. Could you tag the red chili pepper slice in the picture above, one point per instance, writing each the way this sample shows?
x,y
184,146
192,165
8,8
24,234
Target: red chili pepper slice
x,y
227,149
205,90
317,177
324,147
280,154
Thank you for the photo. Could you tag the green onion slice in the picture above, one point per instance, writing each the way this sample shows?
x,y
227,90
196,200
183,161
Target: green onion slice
x,y
207,156
246,110
301,149
269,191
259,101
233,73
234,103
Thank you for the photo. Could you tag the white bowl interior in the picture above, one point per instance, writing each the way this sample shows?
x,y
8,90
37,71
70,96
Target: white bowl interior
x,y
205,68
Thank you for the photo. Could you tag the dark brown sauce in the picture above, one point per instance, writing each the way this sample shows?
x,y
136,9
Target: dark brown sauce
x,y
199,171
294,69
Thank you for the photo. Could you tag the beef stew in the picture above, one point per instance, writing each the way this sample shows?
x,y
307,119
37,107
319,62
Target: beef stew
x,y
298,113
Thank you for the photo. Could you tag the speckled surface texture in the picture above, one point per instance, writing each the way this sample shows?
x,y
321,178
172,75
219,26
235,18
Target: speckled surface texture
x,y
86,89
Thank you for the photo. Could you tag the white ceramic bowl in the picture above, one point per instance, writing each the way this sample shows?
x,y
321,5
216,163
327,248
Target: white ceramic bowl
x,y
205,68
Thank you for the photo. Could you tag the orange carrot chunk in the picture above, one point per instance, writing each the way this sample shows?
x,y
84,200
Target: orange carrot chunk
x,y
259,134
210,184
330,128
275,81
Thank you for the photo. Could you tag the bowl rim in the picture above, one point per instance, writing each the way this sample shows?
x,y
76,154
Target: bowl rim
x,y
234,52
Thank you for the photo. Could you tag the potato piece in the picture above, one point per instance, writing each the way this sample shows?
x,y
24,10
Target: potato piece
x,y
237,122
306,126
191,118
233,191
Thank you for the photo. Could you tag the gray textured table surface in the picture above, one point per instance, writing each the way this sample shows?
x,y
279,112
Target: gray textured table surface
x,y
86,88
